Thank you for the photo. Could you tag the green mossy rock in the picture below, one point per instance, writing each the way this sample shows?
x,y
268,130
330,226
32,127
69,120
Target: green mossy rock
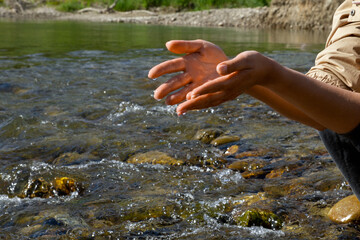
x,y
37,188
258,217
65,186
208,134
154,157
60,186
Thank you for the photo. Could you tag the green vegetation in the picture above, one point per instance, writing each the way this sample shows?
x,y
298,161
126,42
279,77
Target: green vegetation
x,y
128,5
70,6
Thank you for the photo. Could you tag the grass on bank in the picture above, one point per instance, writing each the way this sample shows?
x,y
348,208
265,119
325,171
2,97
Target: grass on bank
x,y
128,5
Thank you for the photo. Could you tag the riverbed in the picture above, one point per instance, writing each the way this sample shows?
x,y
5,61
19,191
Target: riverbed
x,y
76,103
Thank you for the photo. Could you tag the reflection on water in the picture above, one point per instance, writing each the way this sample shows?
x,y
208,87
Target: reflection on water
x,y
76,102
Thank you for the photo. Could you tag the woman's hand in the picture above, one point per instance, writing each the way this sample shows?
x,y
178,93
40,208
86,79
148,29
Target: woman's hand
x,y
236,76
197,66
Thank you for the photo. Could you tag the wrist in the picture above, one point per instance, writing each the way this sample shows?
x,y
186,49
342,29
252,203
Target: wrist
x,y
273,73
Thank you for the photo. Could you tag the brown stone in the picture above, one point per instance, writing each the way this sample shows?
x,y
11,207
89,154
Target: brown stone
x,y
65,186
248,200
224,139
276,173
231,150
253,174
346,210
154,157
248,164
249,154
208,135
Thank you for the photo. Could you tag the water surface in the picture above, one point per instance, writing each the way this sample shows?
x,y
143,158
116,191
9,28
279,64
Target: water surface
x,y
75,101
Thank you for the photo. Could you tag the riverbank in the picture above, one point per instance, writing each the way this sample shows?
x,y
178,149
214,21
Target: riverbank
x,y
288,14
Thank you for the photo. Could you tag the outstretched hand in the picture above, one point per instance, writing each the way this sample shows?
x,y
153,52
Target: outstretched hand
x,y
197,66
237,75
208,77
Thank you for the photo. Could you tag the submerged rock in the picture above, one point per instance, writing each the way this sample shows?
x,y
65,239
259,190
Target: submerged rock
x,y
276,173
95,113
254,174
248,200
250,168
247,164
37,188
231,150
60,186
208,134
249,154
224,139
154,157
258,217
265,152
12,88
70,158
346,210
65,186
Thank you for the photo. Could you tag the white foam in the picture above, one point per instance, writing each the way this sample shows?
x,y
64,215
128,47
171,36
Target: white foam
x,y
228,176
265,233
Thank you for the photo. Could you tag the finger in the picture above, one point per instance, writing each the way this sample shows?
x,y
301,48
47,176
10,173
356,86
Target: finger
x,y
180,95
204,101
240,62
212,86
182,46
171,85
170,66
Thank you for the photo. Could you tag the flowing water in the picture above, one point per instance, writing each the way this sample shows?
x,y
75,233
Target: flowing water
x,y
75,102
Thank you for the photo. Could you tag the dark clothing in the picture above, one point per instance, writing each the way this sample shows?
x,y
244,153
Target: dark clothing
x,y
345,150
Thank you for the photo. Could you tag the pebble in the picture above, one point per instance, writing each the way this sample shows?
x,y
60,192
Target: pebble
x,y
154,157
231,150
247,165
224,139
258,217
346,210
207,135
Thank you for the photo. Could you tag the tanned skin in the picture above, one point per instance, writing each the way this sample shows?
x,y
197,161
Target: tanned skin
x,y
208,78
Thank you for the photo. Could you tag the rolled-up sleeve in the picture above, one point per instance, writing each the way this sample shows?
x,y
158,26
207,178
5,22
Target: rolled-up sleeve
x,y
339,63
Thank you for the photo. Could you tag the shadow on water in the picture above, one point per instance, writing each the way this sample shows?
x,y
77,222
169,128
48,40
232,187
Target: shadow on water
x,y
76,103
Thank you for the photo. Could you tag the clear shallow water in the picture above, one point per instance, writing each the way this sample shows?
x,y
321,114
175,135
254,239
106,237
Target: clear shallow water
x,y
81,89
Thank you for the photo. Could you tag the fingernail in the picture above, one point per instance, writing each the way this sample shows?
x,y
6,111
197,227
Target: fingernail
x,y
222,68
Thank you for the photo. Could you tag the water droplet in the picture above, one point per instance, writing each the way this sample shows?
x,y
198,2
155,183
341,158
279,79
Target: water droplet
x,y
154,79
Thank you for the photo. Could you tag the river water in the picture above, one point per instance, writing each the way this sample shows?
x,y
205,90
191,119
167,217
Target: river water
x,y
75,102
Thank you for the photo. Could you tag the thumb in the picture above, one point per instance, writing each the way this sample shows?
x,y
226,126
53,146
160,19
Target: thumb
x,y
238,63
222,68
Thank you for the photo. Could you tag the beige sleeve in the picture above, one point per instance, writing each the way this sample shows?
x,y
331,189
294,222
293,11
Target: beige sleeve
x,y
339,63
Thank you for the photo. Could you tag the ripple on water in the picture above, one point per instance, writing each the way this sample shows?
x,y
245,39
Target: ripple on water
x,y
98,103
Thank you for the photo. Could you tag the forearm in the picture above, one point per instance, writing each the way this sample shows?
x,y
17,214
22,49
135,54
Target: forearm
x,y
283,107
331,107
